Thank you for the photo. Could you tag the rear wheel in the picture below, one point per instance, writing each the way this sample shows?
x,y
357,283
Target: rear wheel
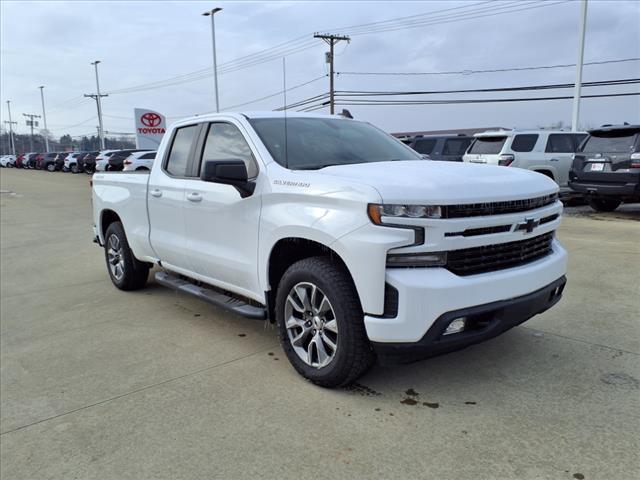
x,y
51,167
321,323
74,168
125,270
601,204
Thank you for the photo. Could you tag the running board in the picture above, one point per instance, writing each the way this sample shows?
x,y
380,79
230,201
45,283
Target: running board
x,y
212,296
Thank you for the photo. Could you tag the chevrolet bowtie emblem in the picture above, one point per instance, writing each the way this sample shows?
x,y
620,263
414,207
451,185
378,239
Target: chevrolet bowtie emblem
x,y
528,225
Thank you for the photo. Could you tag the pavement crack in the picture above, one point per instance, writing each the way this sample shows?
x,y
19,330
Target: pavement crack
x,y
615,349
138,390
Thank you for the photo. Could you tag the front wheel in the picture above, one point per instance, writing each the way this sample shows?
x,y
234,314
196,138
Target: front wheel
x,y
74,168
601,204
321,324
51,167
125,270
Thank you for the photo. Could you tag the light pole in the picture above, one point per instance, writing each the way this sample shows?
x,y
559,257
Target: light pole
x,y
211,13
575,117
44,117
98,96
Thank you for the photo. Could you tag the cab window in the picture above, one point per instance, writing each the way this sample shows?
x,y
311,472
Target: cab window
x,y
225,142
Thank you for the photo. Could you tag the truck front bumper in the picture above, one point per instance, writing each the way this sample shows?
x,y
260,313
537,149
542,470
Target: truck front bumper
x,y
481,323
429,297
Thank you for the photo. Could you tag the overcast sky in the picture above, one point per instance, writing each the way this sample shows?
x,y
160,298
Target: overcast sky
x,y
52,44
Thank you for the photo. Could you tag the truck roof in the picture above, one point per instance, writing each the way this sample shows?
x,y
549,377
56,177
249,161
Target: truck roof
x,y
256,114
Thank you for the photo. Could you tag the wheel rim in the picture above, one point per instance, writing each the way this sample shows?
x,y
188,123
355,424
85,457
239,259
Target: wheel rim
x,y
115,257
311,325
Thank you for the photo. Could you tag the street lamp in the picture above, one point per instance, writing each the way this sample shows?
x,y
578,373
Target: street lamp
x,y
44,117
98,96
211,13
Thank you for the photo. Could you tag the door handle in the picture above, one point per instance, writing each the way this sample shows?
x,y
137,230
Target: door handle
x,y
553,160
156,192
194,197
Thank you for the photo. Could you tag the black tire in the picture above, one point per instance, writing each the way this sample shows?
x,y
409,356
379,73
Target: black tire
x,y
89,171
134,272
602,204
142,169
74,168
51,167
353,355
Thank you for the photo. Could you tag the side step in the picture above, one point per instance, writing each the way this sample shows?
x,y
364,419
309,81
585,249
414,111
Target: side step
x,y
212,296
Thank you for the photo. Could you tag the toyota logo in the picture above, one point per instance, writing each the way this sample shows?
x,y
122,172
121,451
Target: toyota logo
x,y
151,119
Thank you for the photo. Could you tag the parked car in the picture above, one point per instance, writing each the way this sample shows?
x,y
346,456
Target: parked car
x,y
8,161
139,161
116,160
606,167
71,162
102,160
347,239
88,162
549,152
46,161
59,161
441,147
32,160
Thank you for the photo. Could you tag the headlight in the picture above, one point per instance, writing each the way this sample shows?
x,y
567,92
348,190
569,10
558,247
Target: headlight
x,y
421,259
377,211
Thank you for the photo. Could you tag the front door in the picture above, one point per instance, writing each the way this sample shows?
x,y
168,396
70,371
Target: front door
x,y
221,226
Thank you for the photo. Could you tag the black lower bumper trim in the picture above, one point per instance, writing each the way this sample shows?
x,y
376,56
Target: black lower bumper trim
x,y
483,322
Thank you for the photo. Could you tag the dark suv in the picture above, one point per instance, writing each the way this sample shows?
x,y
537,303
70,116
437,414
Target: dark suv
x,y
46,161
442,147
606,167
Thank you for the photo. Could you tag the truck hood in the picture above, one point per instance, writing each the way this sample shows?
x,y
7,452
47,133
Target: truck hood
x,y
444,183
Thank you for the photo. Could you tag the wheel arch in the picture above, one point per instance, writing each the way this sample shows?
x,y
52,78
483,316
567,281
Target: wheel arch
x,y
545,171
287,251
107,217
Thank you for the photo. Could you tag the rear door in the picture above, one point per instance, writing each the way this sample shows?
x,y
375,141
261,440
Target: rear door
x,y
559,150
166,199
221,226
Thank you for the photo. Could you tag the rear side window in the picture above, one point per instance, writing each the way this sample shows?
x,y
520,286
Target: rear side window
x,y
456,146
148,156
225,142
180,148
487,145
614,142
560,143
524,142
425,146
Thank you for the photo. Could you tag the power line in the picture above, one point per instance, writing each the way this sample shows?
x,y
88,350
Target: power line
x,y
492,70
299,44
483,100
600,83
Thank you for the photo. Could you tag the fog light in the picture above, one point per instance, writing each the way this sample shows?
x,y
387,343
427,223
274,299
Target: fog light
x,y
456,326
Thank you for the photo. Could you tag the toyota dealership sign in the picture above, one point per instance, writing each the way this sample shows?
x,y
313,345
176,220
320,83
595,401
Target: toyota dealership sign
x,y
150,127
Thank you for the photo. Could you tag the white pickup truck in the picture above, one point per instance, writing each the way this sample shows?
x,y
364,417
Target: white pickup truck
x,y
355,246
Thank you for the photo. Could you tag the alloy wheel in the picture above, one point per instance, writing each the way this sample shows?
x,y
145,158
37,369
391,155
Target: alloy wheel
x,y
115,257
311,325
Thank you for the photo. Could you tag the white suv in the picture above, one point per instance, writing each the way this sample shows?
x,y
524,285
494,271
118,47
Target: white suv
x,y
549,152
102,160
140,161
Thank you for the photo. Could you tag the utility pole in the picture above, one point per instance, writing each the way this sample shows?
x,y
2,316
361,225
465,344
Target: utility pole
x,y
211,13
575,117
44,117
97,98
331,41
11,124
30,123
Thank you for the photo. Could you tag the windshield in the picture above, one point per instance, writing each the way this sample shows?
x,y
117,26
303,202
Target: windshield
x,y
314,143
487,145
620,143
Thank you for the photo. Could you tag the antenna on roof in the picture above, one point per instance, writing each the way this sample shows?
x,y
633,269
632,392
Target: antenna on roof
x,y
284,92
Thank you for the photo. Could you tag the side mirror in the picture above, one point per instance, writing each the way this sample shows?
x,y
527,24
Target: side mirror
x,y
228,172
